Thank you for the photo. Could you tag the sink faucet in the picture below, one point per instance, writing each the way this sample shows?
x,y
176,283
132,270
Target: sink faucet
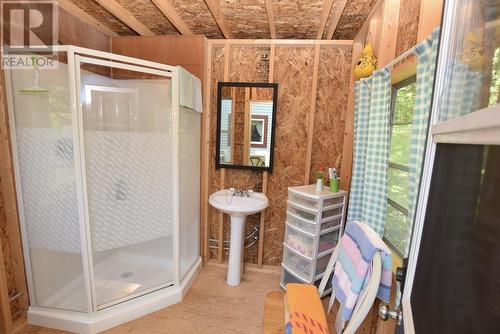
x,y
242,193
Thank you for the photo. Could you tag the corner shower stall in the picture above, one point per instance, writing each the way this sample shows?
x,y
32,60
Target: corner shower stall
x,y
109,220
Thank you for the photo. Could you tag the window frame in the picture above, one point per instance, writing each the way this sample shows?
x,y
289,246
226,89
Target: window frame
x,y
401,167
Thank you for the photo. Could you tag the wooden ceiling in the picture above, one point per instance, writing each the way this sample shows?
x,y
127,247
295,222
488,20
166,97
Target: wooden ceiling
x,y
241,19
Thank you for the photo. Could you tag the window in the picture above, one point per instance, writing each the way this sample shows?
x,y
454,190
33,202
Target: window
x,y
396,228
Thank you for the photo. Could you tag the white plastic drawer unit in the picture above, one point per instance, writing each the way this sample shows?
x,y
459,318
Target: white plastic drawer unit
x,y
311,202
305,244
328,240
301,224
287,276
300,242
307,227
312,216
314,224
303,267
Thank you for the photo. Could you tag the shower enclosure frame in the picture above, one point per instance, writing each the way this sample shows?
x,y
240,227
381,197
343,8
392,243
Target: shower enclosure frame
x,y
98,318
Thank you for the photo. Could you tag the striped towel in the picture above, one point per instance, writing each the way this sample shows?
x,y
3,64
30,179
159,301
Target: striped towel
x,y
353,268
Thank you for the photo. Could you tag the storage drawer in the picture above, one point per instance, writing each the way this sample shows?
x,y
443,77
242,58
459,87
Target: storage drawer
x,y
301,267
301,224
333,201
299,242
288,277
310,203
322,263
331,223
302,212
328,240
336,211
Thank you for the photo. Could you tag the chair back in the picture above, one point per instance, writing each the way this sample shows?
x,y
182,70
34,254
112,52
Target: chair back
x,y
366,297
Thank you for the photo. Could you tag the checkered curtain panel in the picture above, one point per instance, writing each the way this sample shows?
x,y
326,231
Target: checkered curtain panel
x,y
362,97
462,92
426,52
368,196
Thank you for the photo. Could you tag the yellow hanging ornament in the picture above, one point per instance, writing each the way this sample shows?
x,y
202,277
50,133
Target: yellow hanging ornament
x,y
473,53
367,63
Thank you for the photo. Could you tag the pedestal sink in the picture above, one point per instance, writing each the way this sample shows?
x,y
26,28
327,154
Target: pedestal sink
x,y
238,207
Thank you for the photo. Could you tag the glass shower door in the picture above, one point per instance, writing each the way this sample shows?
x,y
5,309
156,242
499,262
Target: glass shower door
x,y
125,129
46,171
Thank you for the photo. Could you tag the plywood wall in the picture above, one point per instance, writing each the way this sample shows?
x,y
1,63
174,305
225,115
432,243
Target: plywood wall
x,y
331,107
185,51
409,12
293,68
218,60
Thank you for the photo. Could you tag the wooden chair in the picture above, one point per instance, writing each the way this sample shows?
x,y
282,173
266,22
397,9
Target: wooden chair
x,y
274,309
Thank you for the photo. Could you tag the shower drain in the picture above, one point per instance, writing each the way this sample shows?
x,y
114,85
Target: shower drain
x,y
127,274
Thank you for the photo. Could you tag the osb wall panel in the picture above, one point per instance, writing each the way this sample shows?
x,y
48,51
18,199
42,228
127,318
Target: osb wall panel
x,y
247,64
409,14
353,17
7,257
217,75
147,13
246,18
331,105
293,71
297,19
198,17
239,126
102,15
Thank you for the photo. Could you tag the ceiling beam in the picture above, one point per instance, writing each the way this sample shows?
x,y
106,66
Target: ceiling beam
x,y
214,7
165,6
270,18
126,17
336,15
327,8
79,13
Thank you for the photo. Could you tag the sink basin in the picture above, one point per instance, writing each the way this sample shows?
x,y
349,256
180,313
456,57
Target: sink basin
x,y
238,208
224,201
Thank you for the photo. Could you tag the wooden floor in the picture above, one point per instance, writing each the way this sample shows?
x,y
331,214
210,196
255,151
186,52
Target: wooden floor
x,y
210,306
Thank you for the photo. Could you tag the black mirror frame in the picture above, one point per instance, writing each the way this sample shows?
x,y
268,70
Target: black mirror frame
x,y
220,85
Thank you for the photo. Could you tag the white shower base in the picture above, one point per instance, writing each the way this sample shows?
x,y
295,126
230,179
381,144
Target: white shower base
x,y
119,273
111,284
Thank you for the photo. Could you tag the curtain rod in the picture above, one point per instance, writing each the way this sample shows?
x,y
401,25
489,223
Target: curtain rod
x,y
402,56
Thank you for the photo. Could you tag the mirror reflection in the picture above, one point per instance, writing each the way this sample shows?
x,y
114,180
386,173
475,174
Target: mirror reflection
x,y
246,119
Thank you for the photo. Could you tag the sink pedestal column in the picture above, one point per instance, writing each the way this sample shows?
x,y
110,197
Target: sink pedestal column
x,y
236,250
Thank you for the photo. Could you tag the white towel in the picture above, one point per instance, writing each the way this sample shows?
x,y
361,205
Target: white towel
x,y
185,88
197,99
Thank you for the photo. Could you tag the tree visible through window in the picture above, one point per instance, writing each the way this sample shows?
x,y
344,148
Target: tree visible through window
x,y
396,227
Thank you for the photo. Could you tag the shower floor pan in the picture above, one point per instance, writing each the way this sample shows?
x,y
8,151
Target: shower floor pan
x,y
118,275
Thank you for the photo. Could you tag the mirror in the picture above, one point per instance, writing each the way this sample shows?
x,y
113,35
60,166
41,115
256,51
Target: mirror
x,y
246,120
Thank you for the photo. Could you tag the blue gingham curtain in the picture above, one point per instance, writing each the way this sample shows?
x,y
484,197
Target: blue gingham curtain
x,y
462,91
368,196
426,52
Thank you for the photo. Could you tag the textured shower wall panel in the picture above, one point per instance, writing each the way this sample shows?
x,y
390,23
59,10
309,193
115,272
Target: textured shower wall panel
x,y
189,188
129,186
49,189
